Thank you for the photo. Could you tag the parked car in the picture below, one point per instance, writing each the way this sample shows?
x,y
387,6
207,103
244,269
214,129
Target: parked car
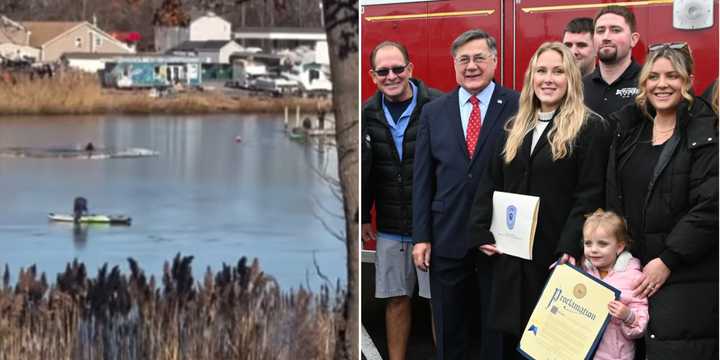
x,y
277,85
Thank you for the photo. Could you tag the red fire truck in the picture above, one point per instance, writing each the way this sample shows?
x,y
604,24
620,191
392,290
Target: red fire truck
x,y
427,28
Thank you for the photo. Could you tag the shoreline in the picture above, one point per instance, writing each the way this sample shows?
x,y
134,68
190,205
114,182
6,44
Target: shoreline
x,y
73,93
193,103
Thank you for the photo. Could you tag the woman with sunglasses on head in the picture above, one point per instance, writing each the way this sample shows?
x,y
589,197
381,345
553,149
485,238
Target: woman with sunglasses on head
x,y
554,148
663,177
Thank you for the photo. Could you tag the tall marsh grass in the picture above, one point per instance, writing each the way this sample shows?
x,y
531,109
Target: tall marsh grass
x,y
73,92
236,313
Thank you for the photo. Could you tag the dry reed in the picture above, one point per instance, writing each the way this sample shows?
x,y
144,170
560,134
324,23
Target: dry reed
x,y
236,313
75,93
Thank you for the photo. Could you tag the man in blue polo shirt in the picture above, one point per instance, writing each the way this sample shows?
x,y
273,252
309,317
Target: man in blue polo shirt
x,y
389,126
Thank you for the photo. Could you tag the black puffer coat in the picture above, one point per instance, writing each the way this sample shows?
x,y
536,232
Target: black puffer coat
x,y
387,180
679,225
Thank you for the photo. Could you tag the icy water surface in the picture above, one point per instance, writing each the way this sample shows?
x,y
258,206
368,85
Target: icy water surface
x,y
205,195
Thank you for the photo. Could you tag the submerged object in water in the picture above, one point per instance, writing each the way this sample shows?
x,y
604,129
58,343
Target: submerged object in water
x,y
76,153
92,219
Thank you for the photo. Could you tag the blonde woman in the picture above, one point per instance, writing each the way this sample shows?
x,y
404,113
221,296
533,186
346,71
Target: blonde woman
x,y
663,177
554,148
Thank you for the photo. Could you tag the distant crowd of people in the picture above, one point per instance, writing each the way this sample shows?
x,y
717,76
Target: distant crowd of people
x,y
10,70
624,159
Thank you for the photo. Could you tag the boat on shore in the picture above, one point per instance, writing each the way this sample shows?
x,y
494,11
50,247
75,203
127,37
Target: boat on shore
x,y
92,219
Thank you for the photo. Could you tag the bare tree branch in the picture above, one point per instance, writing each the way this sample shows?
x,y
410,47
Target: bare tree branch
x,y
327,211
319,273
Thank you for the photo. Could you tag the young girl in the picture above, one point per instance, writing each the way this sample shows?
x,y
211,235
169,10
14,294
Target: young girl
x,y
606,242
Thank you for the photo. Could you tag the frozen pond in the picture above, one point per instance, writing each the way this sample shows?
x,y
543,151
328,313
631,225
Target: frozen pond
x,y
205,195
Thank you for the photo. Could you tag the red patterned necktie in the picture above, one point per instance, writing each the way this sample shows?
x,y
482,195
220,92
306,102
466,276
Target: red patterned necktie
x,y
474,125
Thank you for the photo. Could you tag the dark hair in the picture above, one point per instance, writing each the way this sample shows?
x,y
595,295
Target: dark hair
x,y
618,10
580,25
394,44
474,34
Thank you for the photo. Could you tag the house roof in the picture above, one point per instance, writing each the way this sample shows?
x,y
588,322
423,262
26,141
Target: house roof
x,y
281,33
282,29
43,31
89,56
210,45
6,22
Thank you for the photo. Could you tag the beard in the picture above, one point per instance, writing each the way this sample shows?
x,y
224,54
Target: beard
x,y
608,57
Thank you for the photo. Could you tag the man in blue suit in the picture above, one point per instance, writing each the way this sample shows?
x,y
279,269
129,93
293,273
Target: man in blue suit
x,y
457,134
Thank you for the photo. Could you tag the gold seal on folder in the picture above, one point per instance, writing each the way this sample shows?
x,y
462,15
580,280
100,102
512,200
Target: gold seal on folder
x,y
579,291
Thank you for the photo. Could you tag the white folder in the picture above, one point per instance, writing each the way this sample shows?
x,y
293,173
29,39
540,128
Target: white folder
x,y
513,223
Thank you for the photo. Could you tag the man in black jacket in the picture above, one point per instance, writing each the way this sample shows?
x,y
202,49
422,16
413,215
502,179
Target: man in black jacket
x,y
613,84
389,124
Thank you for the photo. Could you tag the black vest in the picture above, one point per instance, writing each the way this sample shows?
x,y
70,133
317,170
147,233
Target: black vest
x,y
388,181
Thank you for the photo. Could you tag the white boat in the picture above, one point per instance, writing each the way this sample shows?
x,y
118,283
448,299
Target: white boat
x,y
92,218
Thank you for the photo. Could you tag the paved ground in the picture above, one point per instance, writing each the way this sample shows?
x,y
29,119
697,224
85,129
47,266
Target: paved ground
x,y
420,344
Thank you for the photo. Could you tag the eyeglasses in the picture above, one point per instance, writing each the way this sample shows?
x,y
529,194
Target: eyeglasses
x,y
397,70
478,59
683,46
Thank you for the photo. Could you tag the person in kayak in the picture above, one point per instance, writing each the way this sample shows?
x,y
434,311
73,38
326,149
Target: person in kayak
x,y
79,208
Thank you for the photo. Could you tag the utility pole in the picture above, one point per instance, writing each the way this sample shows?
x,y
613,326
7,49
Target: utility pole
x,y
322,15
242,20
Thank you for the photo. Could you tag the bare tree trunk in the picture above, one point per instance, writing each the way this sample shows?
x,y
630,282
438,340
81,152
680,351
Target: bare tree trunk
x,y
341,24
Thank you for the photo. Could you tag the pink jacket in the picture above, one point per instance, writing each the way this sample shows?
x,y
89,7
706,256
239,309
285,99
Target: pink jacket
x,y
617,342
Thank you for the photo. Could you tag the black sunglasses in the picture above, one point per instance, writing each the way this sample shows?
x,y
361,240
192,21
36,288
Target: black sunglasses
x,y
668,45
397,70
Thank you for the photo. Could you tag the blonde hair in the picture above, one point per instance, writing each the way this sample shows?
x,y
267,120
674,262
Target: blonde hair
x,y
682,62
611,222
570,116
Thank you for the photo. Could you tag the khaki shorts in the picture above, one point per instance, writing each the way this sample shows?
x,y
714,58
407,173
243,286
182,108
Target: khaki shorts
x,y
395,272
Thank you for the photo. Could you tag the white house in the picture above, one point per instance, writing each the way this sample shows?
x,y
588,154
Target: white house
x,y
288,37
88,62
209,52
55,38
210,27
15,41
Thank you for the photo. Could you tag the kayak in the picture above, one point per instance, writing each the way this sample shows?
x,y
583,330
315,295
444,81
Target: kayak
x,y
92,218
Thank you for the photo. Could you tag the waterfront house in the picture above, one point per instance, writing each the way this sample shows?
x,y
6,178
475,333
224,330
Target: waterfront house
x,y
273,38
14,41
214,54
54,38
152,71
209,51
88,62
210,27
204,28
